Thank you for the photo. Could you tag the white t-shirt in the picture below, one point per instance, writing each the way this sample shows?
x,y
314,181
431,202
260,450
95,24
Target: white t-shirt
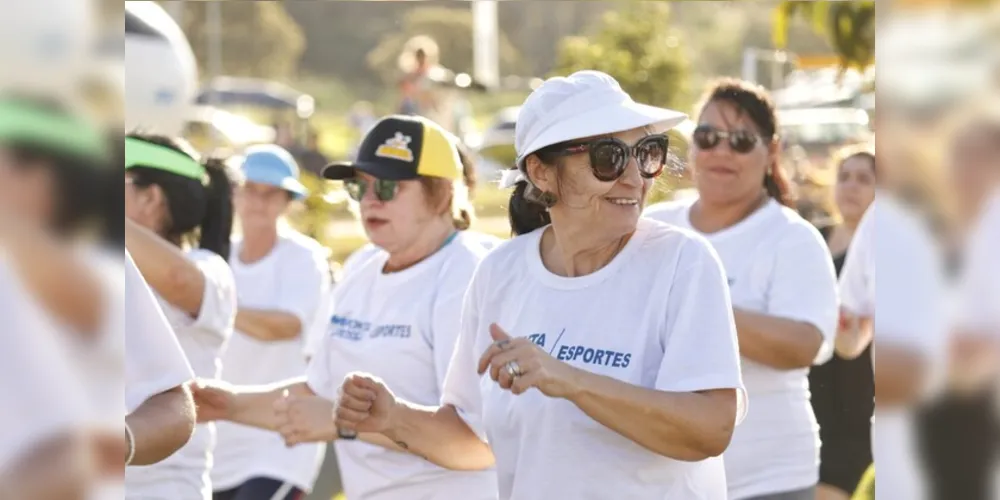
x,y
488,242
203,339
38,384
294,278
658,316
908,310
154,361
777,264
401,327
979,301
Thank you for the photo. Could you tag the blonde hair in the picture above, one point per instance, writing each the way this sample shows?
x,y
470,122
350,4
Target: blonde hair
x,y
459,204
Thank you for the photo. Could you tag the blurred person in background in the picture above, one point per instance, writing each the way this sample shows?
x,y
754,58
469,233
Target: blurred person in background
x,y
782,281
469,177
843,391
312,159
396,314
416,87
959,430
283,282
170,197
909,333
621,377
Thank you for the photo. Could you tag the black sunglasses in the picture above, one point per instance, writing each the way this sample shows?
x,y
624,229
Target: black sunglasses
x,y
609,156
385,190
707,137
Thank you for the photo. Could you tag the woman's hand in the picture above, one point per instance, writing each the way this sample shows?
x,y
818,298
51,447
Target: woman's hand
x,y
214,400
305,419
365,405
519,365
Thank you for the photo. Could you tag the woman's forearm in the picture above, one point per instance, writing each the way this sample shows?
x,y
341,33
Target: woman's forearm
x,y
268,326
438,435
900,375
57,470
162,425
254,406
682,426
777,342
854,336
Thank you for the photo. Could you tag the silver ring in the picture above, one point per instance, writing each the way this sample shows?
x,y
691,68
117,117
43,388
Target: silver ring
x,y
514,369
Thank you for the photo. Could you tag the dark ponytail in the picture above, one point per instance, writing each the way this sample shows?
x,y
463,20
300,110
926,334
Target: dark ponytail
x,y
191,204
525,215
217,224
113,206
778,186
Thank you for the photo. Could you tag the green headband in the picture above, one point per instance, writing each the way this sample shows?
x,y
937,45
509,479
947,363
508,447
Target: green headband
x,y
24,122
139,153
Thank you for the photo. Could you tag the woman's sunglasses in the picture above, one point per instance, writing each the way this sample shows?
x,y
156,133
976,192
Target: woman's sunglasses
x,y
707,137
385,190
609,156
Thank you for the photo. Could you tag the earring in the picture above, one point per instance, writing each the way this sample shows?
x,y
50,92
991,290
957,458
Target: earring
x,y
543,198
547,199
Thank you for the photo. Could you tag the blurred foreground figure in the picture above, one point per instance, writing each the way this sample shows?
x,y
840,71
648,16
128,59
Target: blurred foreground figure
x,y
44,453
162,76
909,330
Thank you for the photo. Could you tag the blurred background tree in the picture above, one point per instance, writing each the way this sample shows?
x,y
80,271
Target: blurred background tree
x,y
848,26
451,29
639,47
259,39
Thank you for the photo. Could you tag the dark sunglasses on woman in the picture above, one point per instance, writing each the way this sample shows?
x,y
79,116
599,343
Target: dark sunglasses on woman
x,y
707,137
609,156
385,190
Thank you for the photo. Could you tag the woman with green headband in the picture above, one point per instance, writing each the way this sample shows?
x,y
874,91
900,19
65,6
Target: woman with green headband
x,y
179,215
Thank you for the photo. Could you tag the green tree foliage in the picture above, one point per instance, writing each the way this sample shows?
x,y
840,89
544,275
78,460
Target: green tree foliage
x,y
638,46
258,39
849,27
451,29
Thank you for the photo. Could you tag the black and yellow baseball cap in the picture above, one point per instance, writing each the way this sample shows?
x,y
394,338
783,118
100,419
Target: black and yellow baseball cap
x,y
400,148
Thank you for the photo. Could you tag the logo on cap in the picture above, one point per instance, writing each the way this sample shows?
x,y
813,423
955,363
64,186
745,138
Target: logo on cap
x,y
396,148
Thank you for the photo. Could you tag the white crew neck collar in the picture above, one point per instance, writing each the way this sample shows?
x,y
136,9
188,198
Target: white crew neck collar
x,y
533,254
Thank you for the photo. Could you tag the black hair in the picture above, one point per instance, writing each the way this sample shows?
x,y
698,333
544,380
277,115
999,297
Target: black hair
x,y
82,185
526,212
755,102
192,205
114,202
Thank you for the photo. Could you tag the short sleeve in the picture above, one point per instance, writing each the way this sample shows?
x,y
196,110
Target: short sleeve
x,y
804,287
218,305
303,285
155,362
856,282
979,300
701,350
909,298
461,383
318,370
446,323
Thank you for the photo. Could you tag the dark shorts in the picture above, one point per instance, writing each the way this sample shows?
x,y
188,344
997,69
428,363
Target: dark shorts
x,y
261,488
843,461
806,494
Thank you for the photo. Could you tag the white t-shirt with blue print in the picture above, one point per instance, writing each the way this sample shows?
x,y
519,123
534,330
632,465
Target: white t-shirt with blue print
x,y
401,327
658,316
